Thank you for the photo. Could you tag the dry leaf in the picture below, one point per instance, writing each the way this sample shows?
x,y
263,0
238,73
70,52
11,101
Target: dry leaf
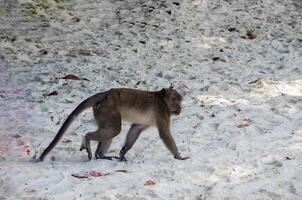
x,y
121,170
250,35
30,190
51,94
255,81
17,136
215,58
71,77
232,29
149,182
66,141
43,51
76,19
242,125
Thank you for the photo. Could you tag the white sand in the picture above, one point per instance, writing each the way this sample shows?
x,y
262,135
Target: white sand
x,y
244,136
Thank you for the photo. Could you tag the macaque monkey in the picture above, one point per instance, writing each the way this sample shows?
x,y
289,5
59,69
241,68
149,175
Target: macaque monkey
x,y
142,108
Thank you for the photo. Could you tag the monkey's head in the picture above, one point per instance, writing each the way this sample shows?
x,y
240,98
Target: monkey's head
x,y
173,100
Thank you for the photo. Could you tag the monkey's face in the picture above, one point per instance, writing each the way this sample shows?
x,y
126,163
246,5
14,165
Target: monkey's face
x,y
173,100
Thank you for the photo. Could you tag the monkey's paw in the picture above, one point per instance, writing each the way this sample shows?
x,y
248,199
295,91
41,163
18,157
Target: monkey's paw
x,y
123,159
180,158
82,147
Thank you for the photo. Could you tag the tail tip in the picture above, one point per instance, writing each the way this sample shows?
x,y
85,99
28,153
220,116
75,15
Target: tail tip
x,y
35,159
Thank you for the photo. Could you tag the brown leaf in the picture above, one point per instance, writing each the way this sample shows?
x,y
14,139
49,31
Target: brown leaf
x,y
250,35
215,58
149,182
76,19
71,77
52,158
30,190
242,125
232,29
121,170
51,94
43,51
85,79
255,81
17,136
66,141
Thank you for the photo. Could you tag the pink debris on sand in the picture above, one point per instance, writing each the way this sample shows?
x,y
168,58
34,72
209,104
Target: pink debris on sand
x,y
13,145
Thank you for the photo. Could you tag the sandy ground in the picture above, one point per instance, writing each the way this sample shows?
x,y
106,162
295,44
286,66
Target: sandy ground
x,y
238,64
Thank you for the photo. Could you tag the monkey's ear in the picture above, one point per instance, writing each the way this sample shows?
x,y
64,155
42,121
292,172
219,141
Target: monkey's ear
x,y
163,92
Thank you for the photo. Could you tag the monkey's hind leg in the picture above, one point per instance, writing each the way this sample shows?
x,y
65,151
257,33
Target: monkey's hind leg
x,y
102,149
99,135
109,123
83,145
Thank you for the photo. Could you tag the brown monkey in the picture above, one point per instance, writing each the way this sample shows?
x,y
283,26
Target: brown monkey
x,y
142,108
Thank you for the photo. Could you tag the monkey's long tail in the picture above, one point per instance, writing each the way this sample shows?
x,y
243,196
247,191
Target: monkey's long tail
x,y
83,106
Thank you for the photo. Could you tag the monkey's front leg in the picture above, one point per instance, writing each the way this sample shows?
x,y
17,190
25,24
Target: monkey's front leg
x,y
167,138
